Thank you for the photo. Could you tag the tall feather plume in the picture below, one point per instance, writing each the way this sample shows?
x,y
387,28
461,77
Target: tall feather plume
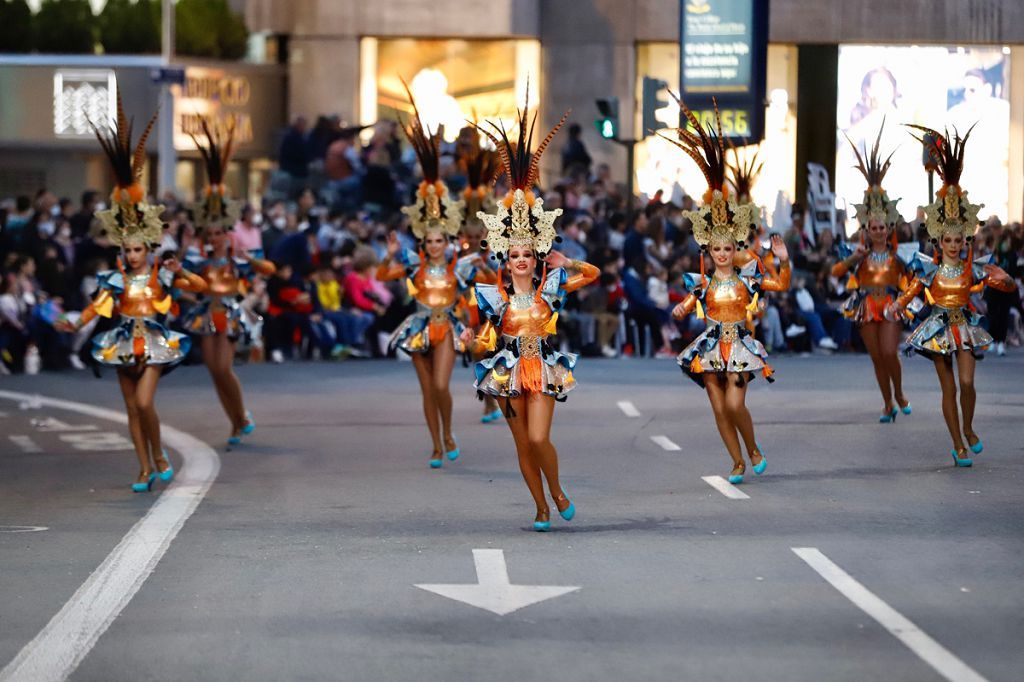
x,y
705,145
480,164
949,156
872,167
426,145
217,152
521,167
116,141
744,174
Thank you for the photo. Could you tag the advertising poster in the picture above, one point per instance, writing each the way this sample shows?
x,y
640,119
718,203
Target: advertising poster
x,y
939,87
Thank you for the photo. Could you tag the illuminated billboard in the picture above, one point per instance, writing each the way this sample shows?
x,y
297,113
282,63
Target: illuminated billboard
x,y
939,87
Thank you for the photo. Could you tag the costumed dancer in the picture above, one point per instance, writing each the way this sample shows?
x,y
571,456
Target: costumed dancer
x,y
877,276
953,328
726,356
218,317
481,166
138,294
436,279
523,370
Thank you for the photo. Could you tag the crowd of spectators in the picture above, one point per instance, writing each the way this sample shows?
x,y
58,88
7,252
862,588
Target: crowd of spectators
x,y
324,222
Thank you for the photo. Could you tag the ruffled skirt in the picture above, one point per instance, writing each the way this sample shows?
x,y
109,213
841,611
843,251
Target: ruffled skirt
x,y
526,365
870,306
139,341
222,315
947,330
725,347
426,328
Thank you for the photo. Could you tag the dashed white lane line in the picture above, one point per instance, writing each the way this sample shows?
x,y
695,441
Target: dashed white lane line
x,y
628,409
23,529
665,443
723,486
25,443
69,636
898,625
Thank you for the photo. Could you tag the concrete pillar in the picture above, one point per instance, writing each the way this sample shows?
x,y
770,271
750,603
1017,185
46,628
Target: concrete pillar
x,y
323,77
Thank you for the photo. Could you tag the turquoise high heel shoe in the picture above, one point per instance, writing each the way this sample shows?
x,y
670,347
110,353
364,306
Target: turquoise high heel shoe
x,y
542,523
490,417
977,447
961,461
250,424
454,454
436,463
234,440
144,486
569,512
763,464
736,477
167,474
908,409
889,417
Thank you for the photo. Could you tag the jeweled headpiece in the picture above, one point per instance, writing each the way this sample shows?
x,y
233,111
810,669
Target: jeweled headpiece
x,y
214,208
720,219
130,218
876,205
481,166
520,218
951,212
434,208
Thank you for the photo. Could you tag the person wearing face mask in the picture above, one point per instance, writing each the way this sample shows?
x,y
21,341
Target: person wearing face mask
x,y
726,356
953,330
876,277
523,370
136,295
246,236
437,279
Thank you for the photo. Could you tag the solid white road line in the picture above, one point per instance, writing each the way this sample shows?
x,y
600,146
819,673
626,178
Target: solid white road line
x,y
665,443
900,627
723,486
23,529
25,443
58,649
629,409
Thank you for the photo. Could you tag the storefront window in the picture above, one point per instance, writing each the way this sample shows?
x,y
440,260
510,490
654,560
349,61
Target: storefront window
x,y
660,165
452,80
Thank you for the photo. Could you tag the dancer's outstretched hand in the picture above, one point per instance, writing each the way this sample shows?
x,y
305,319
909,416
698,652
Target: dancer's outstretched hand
x,y
779,248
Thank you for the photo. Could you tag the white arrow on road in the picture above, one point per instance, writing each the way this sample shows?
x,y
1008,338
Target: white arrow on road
x,y
493,591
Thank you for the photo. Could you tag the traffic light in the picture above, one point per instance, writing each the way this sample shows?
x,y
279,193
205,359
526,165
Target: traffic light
x,y
608,124
652,87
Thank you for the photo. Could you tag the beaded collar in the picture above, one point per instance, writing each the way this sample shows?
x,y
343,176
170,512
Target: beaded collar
x,y
951,271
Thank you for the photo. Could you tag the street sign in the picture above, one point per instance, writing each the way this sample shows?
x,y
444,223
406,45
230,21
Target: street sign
x,y
723,57
172,75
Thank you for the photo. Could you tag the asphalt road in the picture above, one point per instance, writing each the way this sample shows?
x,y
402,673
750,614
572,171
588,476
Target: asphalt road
x,y
301,559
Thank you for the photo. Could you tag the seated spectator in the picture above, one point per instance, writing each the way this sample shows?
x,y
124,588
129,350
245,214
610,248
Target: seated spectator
x,y
341,330
289,309
247,237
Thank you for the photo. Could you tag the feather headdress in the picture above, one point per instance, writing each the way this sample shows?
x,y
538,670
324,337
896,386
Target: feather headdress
x,y
744,176
720,219
876,205
434,208
950,212
129,218
214,208
481,166
520,218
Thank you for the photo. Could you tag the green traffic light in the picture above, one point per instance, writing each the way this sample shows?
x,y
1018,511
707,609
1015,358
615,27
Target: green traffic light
x,y
607,129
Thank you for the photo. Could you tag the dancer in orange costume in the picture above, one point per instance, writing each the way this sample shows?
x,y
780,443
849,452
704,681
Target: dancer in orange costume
x,y
876,278
523,370
726,356
218,317
138,293
437,280
953,328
